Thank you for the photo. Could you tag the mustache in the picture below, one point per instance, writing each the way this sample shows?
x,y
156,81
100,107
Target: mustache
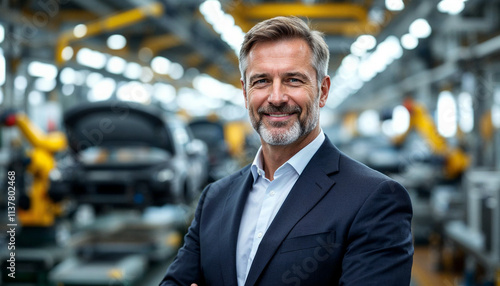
x,y
279,109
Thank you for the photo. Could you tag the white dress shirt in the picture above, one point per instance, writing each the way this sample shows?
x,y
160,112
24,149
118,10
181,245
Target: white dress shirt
x,y
264,201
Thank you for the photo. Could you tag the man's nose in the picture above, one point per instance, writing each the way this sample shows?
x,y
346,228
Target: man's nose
x,y
277,94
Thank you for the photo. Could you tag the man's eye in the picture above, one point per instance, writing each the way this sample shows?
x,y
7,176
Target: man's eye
x,y
294,80
260,81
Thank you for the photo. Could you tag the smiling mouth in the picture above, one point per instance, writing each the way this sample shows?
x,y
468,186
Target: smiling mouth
x,y
280,115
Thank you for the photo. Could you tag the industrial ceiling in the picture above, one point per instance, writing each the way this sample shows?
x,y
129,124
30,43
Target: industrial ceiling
x,y
176,29
179,31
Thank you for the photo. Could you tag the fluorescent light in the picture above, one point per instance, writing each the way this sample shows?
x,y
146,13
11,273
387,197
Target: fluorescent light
x,y
409,42
3,70
446,114
91,58
457,8
362,44
102,90
367,42
351,62
400,120
43,70
466,112
420,28
369,123
2,33
67,76
67,53
134,91
495,115
176,71
222,23
116,65
165,93
366,73
394,5
20,83
213,88
116,42
366,65
357,51
391,49
133,71
452,7
160,65
164,66
387,128
93,79
80,31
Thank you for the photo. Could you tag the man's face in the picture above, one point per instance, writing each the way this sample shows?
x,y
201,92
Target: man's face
x,y
282,93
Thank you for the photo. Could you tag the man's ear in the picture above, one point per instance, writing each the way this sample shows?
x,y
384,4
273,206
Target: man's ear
x,y
244,92
324,90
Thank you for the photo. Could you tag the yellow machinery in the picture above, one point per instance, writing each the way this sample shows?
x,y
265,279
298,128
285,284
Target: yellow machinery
x,y
42,210
456,161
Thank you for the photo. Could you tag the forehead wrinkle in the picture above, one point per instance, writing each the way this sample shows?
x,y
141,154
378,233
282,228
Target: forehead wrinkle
x,y
262,55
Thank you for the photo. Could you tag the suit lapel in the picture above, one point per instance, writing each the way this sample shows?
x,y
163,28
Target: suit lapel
x,y
230,224
309,189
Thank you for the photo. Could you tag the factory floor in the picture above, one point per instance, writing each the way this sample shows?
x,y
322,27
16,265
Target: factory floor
x,y
424,271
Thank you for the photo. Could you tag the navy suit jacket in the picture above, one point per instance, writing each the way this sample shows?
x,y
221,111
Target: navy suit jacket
x,y
342,224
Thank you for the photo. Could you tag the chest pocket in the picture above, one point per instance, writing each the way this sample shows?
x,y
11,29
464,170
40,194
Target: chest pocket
x,y
323,239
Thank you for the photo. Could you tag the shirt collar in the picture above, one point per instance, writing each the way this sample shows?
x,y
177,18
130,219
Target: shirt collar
x,y
299,161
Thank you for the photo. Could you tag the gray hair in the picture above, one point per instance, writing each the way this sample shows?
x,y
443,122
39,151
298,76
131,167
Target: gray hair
x,y
282,28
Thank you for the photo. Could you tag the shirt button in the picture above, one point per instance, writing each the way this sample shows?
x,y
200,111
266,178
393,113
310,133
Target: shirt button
x,y
272,193
259,235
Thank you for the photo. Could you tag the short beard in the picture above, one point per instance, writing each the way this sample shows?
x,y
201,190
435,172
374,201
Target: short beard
x,y
299,128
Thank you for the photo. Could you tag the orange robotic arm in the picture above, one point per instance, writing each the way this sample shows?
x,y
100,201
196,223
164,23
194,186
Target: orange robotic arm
x,y
42,210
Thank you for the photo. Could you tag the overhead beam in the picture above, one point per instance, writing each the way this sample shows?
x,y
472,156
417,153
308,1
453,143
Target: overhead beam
x,y
95,6
108,24
315,11
181,27
348,29
161,42
344,19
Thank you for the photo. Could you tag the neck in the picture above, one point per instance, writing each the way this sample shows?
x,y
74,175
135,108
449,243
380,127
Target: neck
x,y
274,156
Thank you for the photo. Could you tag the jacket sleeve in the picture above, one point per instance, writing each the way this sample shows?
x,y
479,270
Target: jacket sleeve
x,y
380,247
186,267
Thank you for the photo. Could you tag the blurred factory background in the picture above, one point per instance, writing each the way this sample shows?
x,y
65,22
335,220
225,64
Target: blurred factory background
x,y
116,113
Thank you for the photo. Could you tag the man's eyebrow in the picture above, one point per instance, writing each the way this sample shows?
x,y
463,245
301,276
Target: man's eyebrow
x,y
258,76
296,74
286,74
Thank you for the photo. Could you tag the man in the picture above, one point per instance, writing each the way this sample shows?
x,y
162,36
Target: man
x,y
303,213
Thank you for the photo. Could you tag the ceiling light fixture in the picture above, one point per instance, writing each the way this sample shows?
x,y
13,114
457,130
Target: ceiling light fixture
x,y
394,5
452,7
116,42
420,28
223,24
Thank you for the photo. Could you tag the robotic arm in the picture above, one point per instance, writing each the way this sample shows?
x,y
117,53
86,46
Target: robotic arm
x,y
455,160
41,210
